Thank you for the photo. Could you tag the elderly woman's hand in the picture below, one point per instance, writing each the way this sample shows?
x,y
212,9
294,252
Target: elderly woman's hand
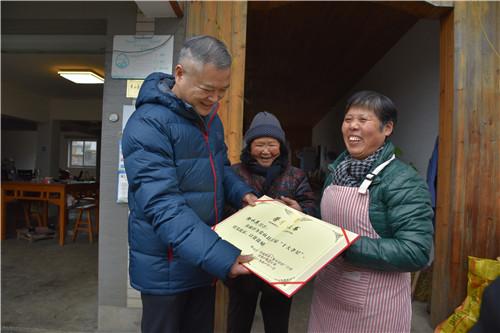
x,y
290,203
249,199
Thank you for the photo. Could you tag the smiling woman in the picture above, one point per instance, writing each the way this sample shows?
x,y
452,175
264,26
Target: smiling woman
x,y
368,121
265,150
363,132
385,201
264,166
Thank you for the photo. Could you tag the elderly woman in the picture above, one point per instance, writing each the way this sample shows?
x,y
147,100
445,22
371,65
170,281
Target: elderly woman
x,y
265,167
385,201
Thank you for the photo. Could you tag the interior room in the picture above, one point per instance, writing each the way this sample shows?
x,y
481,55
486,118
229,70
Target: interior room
x,y
50,144
61,143
303,61
63,111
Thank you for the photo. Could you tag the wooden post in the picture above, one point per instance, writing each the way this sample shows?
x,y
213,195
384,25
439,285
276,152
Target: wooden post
x,y
226,21
468,201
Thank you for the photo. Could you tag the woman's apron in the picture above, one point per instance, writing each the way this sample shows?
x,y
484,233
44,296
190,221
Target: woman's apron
x,y
350,299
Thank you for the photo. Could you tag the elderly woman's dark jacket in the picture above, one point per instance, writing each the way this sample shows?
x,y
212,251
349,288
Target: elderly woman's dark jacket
x,y
400,212
292,183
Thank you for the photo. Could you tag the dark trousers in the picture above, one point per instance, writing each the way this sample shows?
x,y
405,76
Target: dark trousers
x,y
187,312
243,294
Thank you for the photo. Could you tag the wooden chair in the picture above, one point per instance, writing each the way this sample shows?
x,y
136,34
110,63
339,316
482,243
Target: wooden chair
x,y
82,224
34,210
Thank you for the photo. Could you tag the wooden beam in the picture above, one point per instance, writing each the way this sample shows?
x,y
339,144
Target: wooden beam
x,y
177,8
468,202
443,201
226,21
420,9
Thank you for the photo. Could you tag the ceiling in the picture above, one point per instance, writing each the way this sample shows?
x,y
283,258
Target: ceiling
x,y
35,48
37,73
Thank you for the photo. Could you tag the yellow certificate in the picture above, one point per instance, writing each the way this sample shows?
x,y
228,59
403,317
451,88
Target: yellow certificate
x,y
289,247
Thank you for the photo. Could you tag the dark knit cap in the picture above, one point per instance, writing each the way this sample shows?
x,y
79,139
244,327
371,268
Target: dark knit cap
x,y
265,124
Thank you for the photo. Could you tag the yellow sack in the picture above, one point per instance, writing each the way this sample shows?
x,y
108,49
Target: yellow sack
x,y
481,273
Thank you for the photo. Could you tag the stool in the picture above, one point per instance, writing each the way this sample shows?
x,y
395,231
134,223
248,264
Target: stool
x,y
83,225
36,214
87,201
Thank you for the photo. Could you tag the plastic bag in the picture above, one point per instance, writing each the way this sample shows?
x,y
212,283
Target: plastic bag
x,y
481,273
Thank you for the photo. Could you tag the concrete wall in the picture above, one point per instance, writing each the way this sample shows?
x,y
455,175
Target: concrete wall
x,y
112,312
21,146
75,109
18,102
409,75
47,153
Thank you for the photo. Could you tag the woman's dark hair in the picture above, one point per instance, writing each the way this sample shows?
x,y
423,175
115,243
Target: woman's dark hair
x,y
381,105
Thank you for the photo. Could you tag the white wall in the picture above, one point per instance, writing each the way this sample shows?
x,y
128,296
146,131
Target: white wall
x,y
21,146
47,113
409,75
47,153
18,102
76,109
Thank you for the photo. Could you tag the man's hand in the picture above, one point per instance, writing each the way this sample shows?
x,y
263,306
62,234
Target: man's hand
x,y
249,199
238,268
291,203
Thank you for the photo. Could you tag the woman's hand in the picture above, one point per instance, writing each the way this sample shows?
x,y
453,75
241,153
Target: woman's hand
x,y
290,203
249,199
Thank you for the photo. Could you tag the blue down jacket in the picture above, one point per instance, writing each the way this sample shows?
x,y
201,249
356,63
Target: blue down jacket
x,y
179,177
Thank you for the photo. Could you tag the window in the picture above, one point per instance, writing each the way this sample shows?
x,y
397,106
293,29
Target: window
x,y
82,153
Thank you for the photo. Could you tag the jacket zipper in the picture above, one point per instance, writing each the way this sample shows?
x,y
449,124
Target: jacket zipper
x,y
170,253
212,164
214,173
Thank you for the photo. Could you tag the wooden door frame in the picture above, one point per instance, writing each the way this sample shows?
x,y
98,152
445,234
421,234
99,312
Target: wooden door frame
x,y
467,210
446,107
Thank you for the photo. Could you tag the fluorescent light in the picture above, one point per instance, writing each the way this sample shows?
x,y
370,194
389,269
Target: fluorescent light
x,y
82,77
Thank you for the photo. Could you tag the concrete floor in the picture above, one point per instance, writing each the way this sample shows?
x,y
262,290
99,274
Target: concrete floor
x,y
48,288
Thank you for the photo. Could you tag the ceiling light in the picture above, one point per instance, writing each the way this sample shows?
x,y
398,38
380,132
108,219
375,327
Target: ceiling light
x,y
82,77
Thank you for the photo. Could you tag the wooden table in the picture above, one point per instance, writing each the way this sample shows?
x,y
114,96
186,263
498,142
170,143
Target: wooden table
x,y
55,193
